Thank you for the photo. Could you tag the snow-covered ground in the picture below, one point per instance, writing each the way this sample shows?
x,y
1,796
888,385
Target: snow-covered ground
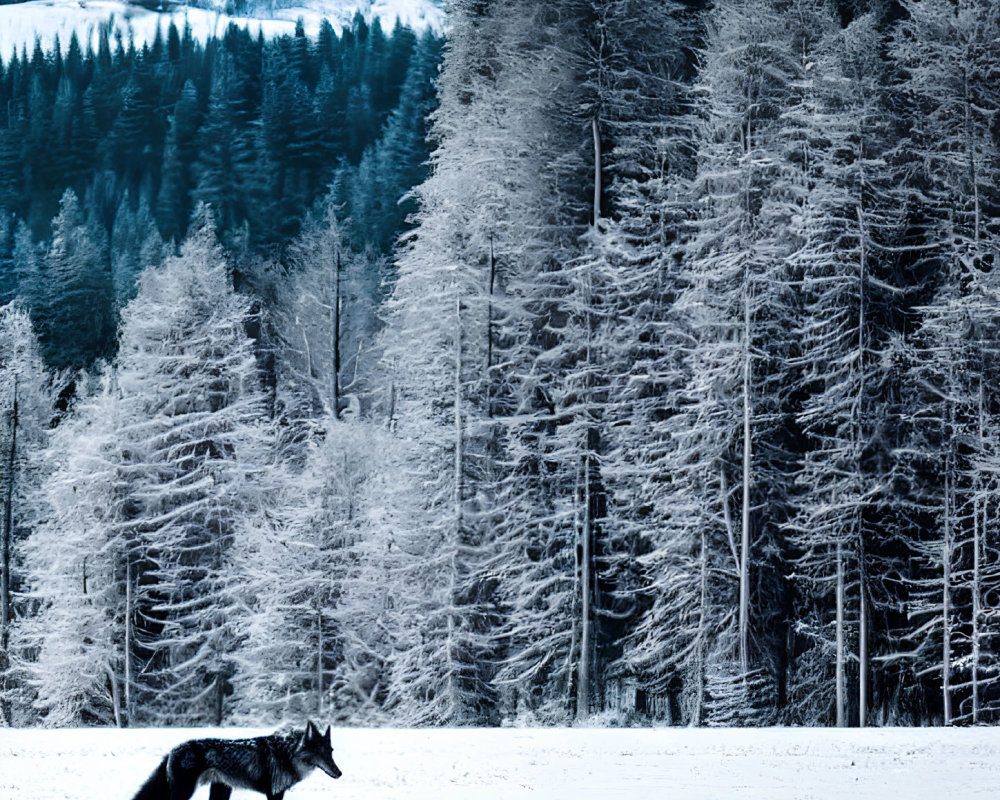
x,y
45,19
577,764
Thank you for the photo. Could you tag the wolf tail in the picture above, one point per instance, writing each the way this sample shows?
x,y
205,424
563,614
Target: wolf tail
x,y
156,787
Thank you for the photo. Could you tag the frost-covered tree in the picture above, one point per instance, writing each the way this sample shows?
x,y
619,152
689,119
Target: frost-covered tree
x,y
150,483
472,267
837,138
634,56
947,166
190,440
26,408
324,319
434,327
305,639
374,582
949,445
74,650
729,462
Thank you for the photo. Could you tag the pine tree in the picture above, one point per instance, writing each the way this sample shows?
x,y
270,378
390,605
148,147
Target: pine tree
x,y
135,246
376,192
187,375
25,411
8,277
74,313
74,651
149,484
291,135
635,60
174,204
133,139
729,464
300,648
840,135
948,177
227,150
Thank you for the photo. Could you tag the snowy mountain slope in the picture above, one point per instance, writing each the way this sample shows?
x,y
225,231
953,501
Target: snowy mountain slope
x,y
553,764
46,19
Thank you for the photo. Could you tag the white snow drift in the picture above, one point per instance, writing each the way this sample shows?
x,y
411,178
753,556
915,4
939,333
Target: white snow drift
x,y
577,764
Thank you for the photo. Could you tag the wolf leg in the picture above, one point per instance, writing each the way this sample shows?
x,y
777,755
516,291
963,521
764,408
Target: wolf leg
x,y
183,786
278,796
219,791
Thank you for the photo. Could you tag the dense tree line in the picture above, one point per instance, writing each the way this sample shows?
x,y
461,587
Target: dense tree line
x,y
673,401
676,382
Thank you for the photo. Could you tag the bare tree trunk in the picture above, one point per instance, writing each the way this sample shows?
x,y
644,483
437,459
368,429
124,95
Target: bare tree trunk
x,y
320,656
7,538
584,676
597,170
116,698
583,690
577,598
587,655
744,609
6,556
841,709
744,597
859,517
489,317
862,639
978,531
335,336
489,329
946,555
128,639
459,439
459,490
946,599
696,713
970,149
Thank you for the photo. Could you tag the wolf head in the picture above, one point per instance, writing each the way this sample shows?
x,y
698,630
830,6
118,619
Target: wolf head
x,y
314,749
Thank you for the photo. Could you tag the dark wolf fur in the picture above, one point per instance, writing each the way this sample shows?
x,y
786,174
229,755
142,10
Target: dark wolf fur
x,y
266,764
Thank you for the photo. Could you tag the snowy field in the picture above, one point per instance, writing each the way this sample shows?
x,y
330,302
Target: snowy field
x,y
674,764
46,19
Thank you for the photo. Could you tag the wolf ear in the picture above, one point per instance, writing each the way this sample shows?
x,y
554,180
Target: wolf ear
x,y
310,732
327,734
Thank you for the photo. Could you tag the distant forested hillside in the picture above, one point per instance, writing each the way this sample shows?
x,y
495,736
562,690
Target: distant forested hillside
x,y
120,144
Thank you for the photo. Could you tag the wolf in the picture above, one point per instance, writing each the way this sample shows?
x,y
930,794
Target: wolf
x,y
266,764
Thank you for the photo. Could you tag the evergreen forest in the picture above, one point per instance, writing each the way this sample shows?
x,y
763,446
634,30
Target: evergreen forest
x,y
622,362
